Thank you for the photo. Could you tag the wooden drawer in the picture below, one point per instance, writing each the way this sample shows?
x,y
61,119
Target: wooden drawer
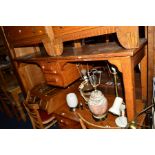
x,y
23,32
66,123
52,67
59,74
54,79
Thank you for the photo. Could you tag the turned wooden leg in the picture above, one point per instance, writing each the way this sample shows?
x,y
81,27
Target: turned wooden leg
x,y
143,68
129,86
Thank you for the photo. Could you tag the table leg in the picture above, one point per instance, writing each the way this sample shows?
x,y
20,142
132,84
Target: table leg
x,y
143,68
129,86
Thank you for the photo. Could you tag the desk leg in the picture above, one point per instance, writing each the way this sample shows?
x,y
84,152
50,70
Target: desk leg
x,y
129,86
143,68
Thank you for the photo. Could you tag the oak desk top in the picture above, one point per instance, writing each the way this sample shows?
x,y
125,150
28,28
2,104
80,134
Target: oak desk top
x,y
92,52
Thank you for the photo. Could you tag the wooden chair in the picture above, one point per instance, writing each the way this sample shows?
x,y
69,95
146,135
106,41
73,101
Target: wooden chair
x,y
39,118
14,93
5,104
9,93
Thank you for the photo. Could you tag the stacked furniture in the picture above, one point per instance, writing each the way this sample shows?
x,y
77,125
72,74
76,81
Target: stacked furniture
x,y
58,66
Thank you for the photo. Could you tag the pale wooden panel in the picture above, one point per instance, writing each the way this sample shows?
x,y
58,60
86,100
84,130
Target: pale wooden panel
x,y
31,75
128,36
67,33
24,51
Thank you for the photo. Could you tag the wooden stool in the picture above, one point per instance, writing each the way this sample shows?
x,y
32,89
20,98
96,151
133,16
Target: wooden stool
x,y
15,91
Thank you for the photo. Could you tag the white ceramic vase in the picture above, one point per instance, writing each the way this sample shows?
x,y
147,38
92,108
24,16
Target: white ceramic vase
x,y
98,105
72,100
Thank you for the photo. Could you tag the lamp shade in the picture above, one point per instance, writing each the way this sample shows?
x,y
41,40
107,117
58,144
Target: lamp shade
x,y
115,109
72,100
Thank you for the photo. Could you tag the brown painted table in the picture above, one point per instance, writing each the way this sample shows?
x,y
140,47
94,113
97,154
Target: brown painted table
x,y
125,60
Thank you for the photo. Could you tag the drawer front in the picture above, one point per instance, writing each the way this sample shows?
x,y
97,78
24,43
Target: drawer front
x,y
66,123
15,33
54,79
59,74
52,67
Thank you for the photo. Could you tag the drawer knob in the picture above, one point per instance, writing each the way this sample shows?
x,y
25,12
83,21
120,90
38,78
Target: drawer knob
x,y
55,72
61,121
62,113
19,31
42,67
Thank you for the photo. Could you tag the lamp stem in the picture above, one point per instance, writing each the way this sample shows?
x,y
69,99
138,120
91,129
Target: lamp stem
x,y
115,83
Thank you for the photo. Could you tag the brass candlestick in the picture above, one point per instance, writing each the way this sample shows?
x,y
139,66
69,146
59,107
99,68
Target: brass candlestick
x,y
115,80
113,71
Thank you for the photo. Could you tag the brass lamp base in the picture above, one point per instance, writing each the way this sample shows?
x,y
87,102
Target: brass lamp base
x,y
132,125
72,109
100,117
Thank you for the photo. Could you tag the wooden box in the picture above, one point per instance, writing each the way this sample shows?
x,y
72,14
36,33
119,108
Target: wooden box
x,y
59,74
51,98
